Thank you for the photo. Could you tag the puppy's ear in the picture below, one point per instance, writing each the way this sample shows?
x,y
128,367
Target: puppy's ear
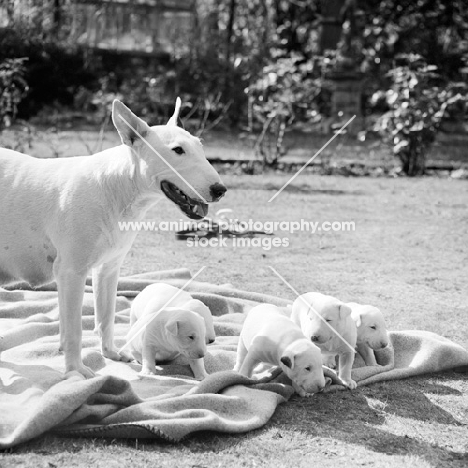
x,y
345,311
172,327
356,316
175,116
286,360
129,126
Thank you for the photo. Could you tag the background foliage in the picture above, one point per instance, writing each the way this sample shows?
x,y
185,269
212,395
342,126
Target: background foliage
x,y
255,64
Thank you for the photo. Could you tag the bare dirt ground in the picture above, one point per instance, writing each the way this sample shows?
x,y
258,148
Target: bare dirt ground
x,y
407,255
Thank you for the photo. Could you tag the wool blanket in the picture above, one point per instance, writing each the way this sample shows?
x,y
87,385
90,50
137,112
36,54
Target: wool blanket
x,y
37,397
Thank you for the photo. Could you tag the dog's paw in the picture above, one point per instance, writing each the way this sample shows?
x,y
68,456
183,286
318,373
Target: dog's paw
x,y
301,392
85,371
201,376
116,356
146,371
351,384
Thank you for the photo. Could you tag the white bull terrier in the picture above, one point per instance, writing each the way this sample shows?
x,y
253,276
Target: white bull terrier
x,y
271,337
163,334
327,322
60,217
164,295
371,331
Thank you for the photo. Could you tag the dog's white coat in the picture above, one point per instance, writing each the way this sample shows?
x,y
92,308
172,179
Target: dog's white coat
x,y
163,334
59,217
318,322
164,295
271,337
371,331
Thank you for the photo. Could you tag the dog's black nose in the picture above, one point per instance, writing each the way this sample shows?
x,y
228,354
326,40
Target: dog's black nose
x,y
217,191
211,341
314,339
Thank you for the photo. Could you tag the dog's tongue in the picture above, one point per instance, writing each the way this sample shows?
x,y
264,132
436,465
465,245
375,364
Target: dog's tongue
x,y
201,209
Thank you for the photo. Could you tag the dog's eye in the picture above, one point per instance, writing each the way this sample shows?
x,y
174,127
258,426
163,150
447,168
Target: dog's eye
x,y
308,368
191,337
328,320
374,327
178,150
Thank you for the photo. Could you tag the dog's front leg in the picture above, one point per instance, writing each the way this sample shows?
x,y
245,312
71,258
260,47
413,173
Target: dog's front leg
x,y
198,368
367,354
345,364
70,285
105,279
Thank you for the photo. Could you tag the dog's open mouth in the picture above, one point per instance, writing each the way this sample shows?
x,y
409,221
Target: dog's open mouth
x,y
192,208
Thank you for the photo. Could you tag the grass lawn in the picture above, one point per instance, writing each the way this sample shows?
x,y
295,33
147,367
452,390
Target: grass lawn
x,y
408,256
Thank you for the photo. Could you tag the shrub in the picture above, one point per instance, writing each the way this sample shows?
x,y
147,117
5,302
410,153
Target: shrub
x,y
289,89
13,88
53,71
418,99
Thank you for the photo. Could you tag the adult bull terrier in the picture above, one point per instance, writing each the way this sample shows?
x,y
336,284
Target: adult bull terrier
x,y
60,217
271,337
163,295
163,334
371,331
327,322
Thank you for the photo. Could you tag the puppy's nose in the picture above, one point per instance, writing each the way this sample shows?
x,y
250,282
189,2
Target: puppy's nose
x,y
217,191
383,345
201,354
211,341
314,338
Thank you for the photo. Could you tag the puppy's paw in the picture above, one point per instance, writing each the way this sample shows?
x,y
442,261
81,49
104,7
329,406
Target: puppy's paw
x,y
201,376
351,384
116,356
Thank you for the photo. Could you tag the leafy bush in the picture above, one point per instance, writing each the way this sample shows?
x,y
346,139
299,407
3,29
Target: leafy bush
x,y
53,71
418,100
289,89
13,88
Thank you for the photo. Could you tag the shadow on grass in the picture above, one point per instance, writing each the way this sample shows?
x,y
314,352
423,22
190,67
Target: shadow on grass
x,y
359,418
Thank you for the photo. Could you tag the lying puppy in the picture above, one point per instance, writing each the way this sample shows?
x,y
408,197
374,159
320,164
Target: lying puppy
x,y
163,334
61,218
164,295
327,322
371,331
269,336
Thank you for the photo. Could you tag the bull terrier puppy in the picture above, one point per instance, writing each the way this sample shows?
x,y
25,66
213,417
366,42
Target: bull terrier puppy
x,y
271,337
164,295
327,322
163,334
371,331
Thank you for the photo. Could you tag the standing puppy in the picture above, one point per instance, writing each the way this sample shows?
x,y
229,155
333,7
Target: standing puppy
x,y
371,331
164,295
164,334
271,337
327,322
60,217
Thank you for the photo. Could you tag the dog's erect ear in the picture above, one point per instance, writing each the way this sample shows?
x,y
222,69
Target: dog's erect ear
x,y
345,311
172,327
175,116
129,126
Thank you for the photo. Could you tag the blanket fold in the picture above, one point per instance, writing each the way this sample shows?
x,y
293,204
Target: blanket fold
x,y
36,397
